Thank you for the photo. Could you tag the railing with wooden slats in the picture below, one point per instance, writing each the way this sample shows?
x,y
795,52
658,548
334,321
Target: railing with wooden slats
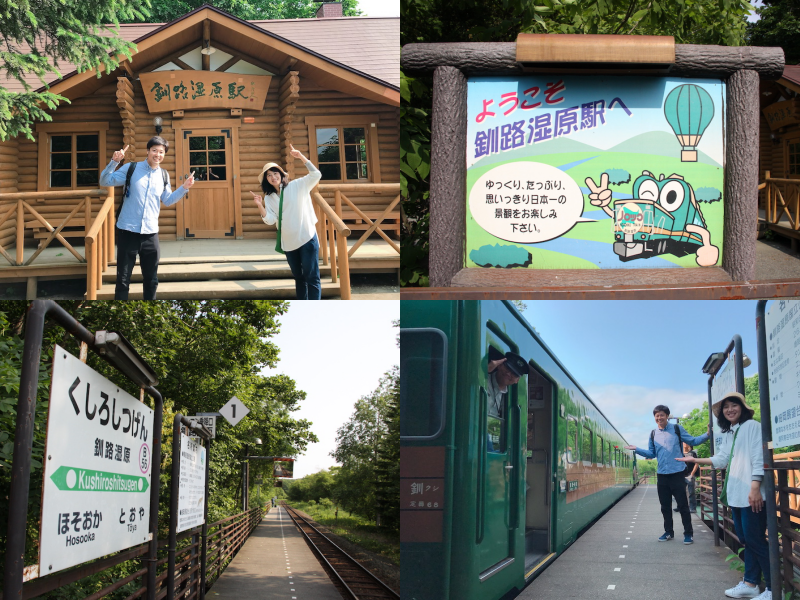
x,y
99,246
778,202
332,234
224,539
340,199
20,203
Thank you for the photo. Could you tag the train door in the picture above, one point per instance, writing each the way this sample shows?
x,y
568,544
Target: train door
x,y
538,471
498,463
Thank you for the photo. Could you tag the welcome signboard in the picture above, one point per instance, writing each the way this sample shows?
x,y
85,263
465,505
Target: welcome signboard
x,y
191,90
595,172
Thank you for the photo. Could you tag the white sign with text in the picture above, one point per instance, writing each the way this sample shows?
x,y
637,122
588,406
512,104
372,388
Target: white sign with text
x,y
192,484
97,468
783,357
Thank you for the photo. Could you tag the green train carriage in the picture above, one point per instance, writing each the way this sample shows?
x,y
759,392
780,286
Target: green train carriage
x,y
480,519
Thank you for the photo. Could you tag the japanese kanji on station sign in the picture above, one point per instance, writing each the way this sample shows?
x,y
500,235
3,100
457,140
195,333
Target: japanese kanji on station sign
x,y
97,468
189,90
588,172
192,484
783,340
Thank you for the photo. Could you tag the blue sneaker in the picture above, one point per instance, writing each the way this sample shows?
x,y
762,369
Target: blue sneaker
x,y
687,539
666,537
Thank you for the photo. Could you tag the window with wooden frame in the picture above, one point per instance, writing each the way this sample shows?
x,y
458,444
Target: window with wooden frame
x,y
345,148
71,155
792,156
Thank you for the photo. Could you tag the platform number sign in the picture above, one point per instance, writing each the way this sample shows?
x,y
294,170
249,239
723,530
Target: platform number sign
x,y
234,411
572,485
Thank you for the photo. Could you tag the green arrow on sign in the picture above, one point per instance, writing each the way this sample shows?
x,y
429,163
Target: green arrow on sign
x,y
75,479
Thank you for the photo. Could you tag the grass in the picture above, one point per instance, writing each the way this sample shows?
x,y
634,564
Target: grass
x,y
355,529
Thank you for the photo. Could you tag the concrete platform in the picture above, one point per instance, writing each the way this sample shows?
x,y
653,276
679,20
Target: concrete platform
x,y
275,564
619,557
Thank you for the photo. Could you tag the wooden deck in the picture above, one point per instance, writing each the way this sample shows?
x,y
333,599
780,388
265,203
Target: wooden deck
x,y
199,269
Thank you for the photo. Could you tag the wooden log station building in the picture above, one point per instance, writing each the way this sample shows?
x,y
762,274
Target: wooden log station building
x,y
228,95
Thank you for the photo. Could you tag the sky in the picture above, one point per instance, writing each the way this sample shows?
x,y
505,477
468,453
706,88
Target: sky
x,y
380,8
630,355
336,352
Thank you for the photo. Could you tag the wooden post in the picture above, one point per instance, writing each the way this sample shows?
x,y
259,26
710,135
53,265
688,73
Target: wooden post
x,y
206,41
91,274
344,268
20,233
337,202
30,292
331,233
87,215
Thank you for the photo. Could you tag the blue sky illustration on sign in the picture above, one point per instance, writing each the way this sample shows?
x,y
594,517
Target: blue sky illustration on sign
x,y
594,172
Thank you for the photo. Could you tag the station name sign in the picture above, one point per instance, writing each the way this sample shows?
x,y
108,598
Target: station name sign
x,y
97,468
191,90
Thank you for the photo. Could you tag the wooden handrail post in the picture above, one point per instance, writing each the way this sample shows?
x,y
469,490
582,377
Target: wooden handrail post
x,y
331,234
20,233
337,200
344,268
87,215
91,274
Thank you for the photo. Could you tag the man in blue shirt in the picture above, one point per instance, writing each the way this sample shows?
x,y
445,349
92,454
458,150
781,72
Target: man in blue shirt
x,y
137,226
665,446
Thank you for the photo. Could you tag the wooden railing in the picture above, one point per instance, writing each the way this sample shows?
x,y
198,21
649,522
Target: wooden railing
x,y
98,233
340,199
99,246
778,202
787,480
332,234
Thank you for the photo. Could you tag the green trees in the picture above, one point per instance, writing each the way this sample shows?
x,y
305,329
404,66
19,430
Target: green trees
x,y
168,10
778,25
69,31
203,352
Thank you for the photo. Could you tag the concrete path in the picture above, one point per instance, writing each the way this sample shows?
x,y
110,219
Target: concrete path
x,y
275,564
619,557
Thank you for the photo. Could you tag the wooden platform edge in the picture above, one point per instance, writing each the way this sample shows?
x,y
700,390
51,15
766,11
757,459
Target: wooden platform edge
x,y
738,290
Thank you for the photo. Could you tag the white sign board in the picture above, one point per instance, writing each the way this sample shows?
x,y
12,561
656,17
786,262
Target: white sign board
x,y
783,357
234,411
96,497
724,382
192,484
209,422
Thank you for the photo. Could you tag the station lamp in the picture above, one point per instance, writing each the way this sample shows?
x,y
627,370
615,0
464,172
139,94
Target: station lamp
x,y
713,363
157,121
113,346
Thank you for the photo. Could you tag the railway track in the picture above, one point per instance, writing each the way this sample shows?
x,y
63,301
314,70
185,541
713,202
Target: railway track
x,y
352,580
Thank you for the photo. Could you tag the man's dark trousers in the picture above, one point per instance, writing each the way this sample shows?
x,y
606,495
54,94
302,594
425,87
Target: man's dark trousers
x,y
129,244
669,486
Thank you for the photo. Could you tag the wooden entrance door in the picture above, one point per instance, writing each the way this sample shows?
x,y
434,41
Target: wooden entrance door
x,y
208,211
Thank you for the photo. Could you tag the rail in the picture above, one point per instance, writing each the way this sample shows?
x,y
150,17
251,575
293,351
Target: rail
x,y
373,226
777,202
225,538
354,581
99,246
98,232
332,234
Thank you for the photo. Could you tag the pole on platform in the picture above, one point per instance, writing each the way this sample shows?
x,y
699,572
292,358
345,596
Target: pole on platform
x,y
204,531
714,499
766,439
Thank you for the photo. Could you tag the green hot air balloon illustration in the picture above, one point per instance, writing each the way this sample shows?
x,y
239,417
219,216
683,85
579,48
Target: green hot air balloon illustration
x,y
689,109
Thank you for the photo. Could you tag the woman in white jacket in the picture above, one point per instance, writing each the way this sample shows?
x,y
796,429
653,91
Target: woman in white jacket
x,y
741,452
288,203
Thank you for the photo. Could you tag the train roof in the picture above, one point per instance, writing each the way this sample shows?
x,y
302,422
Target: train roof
x,y
547,349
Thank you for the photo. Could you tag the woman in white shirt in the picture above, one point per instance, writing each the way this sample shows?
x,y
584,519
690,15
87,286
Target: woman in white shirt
x,y
288,203
741,452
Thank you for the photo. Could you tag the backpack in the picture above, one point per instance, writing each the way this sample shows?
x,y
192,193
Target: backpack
x,y
689,466
127,187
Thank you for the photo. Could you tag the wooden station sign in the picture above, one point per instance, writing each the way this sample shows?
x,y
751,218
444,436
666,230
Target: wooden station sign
x,y
781,114
189,90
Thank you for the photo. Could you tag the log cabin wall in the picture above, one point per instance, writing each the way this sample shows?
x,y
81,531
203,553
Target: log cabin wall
x,y
9,175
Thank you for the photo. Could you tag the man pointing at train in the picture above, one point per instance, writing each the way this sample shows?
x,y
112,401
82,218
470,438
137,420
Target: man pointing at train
x,y
665,446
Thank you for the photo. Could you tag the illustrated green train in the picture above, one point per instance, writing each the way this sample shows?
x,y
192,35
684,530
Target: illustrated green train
x,y
490,496
654,221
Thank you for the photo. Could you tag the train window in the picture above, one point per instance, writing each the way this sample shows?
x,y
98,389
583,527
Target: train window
x,y
423,380
571,450
586,447
599,455
608,454
496,422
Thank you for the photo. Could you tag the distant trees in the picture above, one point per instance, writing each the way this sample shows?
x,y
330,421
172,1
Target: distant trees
x,y
248,10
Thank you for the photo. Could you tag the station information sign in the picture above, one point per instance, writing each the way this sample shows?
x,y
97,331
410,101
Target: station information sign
x,y
192,485
97,468
724,382
782,325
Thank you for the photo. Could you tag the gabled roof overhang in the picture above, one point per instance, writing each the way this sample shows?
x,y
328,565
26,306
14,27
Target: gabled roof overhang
x,y
241,36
